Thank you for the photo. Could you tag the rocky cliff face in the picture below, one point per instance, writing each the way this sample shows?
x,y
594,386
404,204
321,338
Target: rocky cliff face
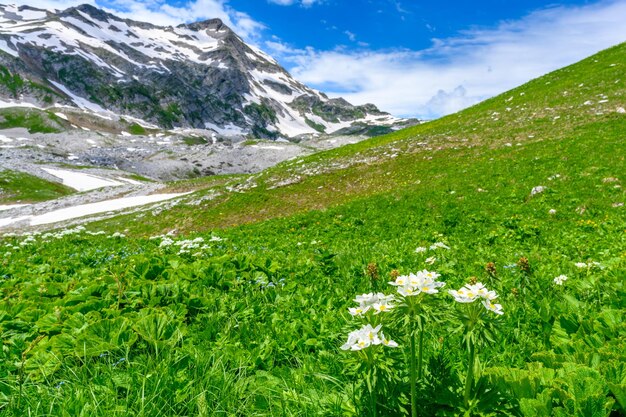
x,y
199,75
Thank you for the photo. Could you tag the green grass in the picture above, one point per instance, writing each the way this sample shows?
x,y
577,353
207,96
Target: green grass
x,y
317,126
251,325
35,121
137,177
12,82
18,187
194,140
136,129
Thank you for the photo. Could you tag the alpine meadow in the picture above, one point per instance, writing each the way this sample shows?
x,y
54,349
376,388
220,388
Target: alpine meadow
x,y
473,265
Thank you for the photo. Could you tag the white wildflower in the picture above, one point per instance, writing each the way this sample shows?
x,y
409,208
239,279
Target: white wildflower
x,y
166,242
382,307
496,308
371,298
363,338
387,342
414,284
358,311
420,249
431,260
379,302
472,292
400,281
463,295
560,280
439,245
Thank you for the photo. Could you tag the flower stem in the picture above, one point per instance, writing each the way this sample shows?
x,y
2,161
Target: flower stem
x,y
373,402
420,356
412,376
370,380
469,380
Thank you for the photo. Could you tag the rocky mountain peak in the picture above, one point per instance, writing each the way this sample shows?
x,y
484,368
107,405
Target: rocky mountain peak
x,y
89,10
198,75
210,24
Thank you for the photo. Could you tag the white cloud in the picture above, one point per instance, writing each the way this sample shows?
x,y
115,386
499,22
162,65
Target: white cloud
x,y
457,72
160,13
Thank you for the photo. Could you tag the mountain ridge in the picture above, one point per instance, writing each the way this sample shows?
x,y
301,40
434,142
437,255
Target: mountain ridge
x,y
198,75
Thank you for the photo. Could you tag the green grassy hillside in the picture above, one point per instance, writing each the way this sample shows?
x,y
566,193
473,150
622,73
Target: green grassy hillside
x,y
563,105
18,187
34,120
243,309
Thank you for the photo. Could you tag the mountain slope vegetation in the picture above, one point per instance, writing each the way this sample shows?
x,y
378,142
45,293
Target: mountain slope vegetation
x,y
236,301
567,104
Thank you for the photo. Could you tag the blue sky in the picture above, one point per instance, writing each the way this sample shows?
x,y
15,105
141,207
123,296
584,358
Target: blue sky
x,y
411,58
381,24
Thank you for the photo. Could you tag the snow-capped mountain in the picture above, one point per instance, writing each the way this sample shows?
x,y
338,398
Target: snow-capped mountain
x,y
199,75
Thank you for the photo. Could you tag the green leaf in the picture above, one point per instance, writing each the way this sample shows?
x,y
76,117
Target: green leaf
x,y
104,336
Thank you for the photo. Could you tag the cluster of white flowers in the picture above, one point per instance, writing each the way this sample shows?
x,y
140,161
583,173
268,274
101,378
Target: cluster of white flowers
x,y
166,241
472,292
588,265
377,302
187,246
62,233
29,240
196,246
99,233
434,246
560,279
367,336
439,245
169,234
33,237
414,284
